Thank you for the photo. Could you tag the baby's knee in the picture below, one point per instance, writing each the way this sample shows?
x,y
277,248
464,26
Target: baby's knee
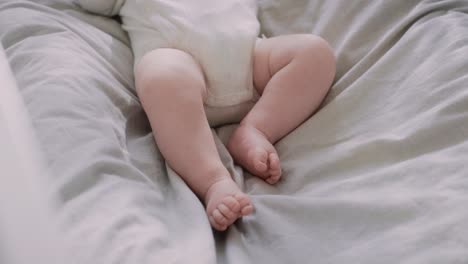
x,y
312,48
165,71
315,56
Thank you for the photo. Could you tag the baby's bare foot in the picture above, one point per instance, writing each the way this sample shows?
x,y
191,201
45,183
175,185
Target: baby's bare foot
x,y
252,150
225,203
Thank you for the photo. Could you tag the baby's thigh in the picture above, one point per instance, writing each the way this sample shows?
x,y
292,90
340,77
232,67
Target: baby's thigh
x,y
166,68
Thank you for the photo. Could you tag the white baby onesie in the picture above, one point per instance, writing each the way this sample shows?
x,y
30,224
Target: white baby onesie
x,y
219,34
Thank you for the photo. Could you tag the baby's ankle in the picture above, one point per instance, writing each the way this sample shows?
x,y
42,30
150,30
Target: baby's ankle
x,y
257,129
217,185
214,176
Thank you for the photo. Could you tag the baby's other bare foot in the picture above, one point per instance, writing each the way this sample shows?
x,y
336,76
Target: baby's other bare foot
x,y
225,203
252,150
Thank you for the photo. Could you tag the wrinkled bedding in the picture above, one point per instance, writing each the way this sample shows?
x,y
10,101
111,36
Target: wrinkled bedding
x,y
378,175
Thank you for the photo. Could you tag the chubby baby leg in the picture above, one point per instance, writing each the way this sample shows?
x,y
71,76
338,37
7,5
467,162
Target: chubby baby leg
x,y
293,73
171,87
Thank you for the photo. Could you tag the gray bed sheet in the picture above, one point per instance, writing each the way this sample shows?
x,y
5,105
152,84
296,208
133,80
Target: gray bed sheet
x,y
378,175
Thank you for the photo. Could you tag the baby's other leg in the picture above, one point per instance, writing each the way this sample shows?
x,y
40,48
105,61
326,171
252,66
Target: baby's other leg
x,y
171,87
293,73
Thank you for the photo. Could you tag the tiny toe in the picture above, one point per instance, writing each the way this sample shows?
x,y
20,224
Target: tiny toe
x,y
246,205
272,179
275,169
215,225
242,198
260,160
227,212
276,176
260,166
219,218
274,161
247,210
232,204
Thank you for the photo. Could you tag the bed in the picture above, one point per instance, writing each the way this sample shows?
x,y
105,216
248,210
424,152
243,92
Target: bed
x,y
378,175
